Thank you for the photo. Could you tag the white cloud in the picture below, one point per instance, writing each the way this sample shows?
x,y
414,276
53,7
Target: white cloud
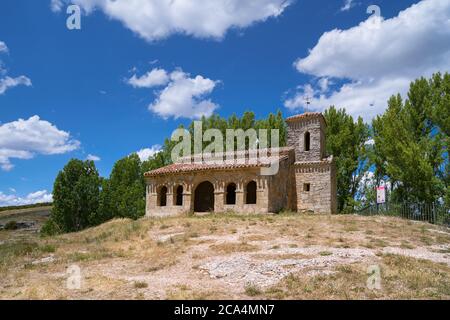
x,y
183,96
147,153
378,58
32,198
92,157
158,19
3,47
8,82
348,4
23,139
56,5
153,78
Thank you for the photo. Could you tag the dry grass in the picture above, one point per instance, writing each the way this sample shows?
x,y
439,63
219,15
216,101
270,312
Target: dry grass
x,y
165,258
401,278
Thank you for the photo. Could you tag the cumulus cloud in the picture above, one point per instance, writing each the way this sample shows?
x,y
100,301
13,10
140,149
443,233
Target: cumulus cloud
x,y
8,82
182,96
3,47
147,153
41,196
158,19
348,4
92,157
376,59
23,139
56,5
153,78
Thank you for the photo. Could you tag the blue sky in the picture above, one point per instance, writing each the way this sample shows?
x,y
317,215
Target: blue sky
x,y
77,82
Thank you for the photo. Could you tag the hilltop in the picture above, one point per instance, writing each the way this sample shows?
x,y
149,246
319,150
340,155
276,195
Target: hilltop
x,y
227,256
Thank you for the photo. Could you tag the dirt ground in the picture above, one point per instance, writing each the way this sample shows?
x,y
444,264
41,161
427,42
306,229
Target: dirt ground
x,y
226,256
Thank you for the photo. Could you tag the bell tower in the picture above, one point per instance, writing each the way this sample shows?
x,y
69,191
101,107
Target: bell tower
x,y
306,134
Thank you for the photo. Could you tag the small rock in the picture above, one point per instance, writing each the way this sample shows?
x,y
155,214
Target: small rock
x,y
48,259
167,237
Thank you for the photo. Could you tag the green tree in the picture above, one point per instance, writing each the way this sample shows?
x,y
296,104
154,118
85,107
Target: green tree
x,y
440,101
123,194
411,141
346,141
75,197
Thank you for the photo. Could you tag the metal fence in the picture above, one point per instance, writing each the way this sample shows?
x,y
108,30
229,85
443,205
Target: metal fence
x,y
426,212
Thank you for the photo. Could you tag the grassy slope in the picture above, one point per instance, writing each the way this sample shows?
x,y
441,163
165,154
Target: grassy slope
x,y
173,258
18,212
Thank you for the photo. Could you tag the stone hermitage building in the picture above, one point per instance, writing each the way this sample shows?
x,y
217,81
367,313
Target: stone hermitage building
x,y
304,182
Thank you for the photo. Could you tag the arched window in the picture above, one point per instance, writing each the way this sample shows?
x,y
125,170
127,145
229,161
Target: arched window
x,y
231,194
179,196
163,197
251,193
307,141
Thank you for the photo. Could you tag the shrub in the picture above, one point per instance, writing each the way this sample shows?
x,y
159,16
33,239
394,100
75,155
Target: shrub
x,y
140,284
50,228
252,290
11,225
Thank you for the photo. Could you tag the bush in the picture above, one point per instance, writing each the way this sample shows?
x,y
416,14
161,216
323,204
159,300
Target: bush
x,y
140,285
50,228
252,290
11,225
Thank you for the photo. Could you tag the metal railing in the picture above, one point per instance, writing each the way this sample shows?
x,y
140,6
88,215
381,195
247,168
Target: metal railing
x,y
426,212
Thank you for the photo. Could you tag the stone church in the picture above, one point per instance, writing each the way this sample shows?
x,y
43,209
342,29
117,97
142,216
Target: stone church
x,y
304,182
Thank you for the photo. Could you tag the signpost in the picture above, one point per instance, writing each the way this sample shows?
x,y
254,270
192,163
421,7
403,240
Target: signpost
x,y
381,194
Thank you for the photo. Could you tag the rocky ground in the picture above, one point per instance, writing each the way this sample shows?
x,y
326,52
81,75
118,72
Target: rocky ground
x,y
227,256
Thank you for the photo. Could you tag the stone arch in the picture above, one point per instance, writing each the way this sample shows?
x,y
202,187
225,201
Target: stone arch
x,y
307,141
204,197
162,196
178,192
250,192
230,197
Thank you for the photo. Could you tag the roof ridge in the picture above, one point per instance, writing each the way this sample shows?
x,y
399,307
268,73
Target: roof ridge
x,y
189,167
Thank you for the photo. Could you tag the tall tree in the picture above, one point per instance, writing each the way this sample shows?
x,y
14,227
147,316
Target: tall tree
x,y
410,141
346,141
76,196
123,194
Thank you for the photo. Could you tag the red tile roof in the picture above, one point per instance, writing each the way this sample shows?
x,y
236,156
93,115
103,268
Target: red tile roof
x,y
190,167
305,115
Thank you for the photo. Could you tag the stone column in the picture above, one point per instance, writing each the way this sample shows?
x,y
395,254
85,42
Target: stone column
x,y
170,195
219,196
240,198
262,194
151,200
188,198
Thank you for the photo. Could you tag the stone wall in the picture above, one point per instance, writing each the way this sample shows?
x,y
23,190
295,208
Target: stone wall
x,y
296,138
219,179
316,187
281,193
